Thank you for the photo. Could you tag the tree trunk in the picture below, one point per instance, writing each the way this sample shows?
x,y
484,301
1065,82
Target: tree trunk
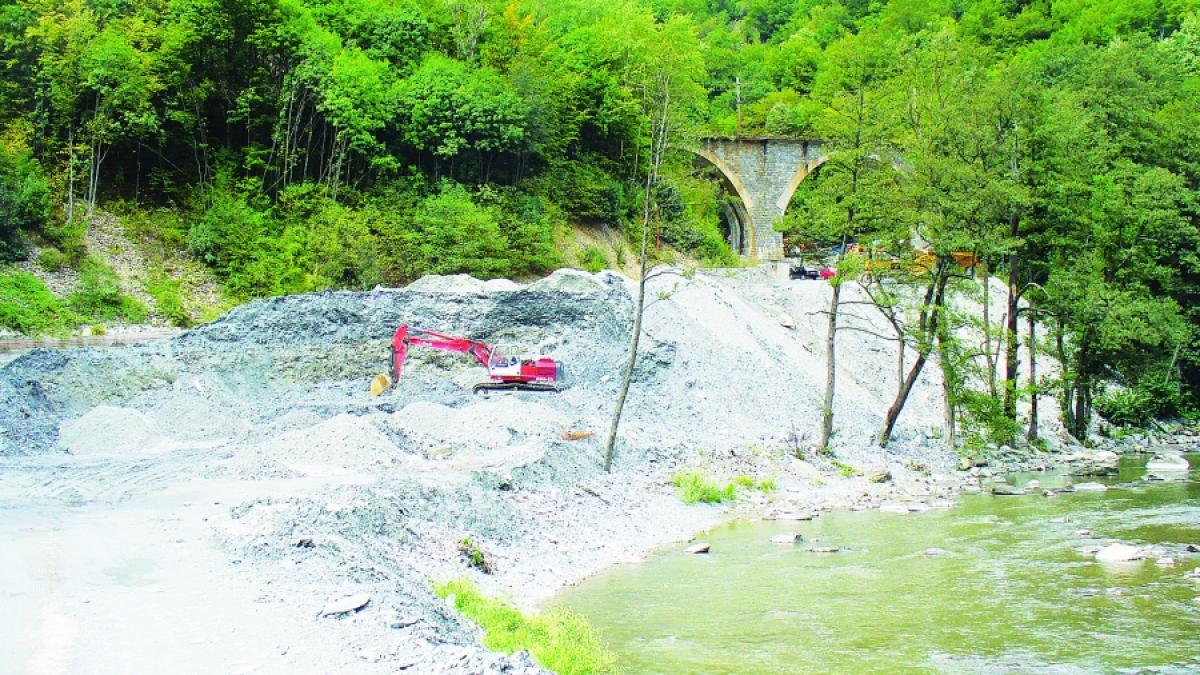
x,y
830,368
1011,363
71,177
1067,390
658,148
949,384
988,355
1033,388
893,411
631,362
934,296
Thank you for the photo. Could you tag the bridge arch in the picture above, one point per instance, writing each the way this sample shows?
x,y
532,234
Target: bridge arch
x,y
764,172
806,169
737,213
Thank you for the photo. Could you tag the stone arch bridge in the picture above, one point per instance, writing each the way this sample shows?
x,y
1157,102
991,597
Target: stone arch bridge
x,y
763,172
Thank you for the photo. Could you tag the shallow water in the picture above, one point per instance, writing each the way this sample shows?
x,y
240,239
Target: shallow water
x,y
1011,592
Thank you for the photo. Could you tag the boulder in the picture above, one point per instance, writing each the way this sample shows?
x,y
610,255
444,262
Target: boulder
x,y
881,476
1004,489
1090,487
1120,553
795,515
1167,462
701,547
786,539
346,605
824,549
893,507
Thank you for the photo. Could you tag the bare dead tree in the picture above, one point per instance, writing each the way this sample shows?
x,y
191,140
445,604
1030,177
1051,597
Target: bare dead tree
x,y
661,104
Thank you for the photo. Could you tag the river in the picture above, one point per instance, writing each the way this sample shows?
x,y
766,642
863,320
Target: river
x,y
1008,591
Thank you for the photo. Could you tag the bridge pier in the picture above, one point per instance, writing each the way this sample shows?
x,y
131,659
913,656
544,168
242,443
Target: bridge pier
x,y
764,173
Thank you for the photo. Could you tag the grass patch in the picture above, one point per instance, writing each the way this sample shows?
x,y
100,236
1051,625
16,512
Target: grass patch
x,y
557,640
766,485
27,306
593,259
99,296
844,469
696,487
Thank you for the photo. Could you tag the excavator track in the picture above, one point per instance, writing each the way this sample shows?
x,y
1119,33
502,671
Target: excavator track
x,y
485,387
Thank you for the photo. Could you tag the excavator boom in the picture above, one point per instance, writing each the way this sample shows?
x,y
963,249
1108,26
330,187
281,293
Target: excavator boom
x,y
504,370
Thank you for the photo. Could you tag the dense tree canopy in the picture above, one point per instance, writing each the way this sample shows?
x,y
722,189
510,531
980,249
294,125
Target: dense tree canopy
x,y
342,143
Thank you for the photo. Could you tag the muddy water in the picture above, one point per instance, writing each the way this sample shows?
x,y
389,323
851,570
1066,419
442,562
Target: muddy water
x,y
1010,592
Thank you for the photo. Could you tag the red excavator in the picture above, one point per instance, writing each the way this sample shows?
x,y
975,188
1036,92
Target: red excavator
x,y
505,371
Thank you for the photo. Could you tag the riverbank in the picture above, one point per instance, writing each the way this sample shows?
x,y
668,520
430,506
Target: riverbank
x,y
996,584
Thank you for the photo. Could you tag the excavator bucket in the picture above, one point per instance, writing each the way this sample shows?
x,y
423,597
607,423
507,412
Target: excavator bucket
x,y
379,384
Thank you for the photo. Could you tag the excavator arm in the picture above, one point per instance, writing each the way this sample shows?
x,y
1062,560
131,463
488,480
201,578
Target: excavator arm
x,y
420,337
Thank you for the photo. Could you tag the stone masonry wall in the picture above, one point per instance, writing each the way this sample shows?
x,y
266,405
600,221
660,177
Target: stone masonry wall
x,y
765,172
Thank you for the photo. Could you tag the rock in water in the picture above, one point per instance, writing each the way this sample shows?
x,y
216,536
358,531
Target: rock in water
x,y
1167,462
936,551
1120,553
701,547
1006,489
346,605
786,538
1091,487
824,549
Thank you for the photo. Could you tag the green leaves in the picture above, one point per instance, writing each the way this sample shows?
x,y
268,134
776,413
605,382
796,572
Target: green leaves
x,y
448,110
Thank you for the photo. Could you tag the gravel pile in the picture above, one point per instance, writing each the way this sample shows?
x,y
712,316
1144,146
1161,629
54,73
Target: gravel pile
x,y
344,490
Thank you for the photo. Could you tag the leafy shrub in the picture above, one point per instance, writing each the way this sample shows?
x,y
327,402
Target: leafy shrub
x,y
99,298
593,259
24,199
696,487
984,420
227,236
585,190
52,259
452,234
1139,404
168,300
474,555
558,640
27,306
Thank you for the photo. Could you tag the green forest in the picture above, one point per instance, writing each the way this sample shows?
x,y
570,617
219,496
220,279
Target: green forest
x,y
299,145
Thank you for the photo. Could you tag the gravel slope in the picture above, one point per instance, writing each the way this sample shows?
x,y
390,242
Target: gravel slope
x,y
311,490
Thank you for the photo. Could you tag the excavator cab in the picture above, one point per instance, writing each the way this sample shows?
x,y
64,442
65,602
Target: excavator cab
x,y
500,364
